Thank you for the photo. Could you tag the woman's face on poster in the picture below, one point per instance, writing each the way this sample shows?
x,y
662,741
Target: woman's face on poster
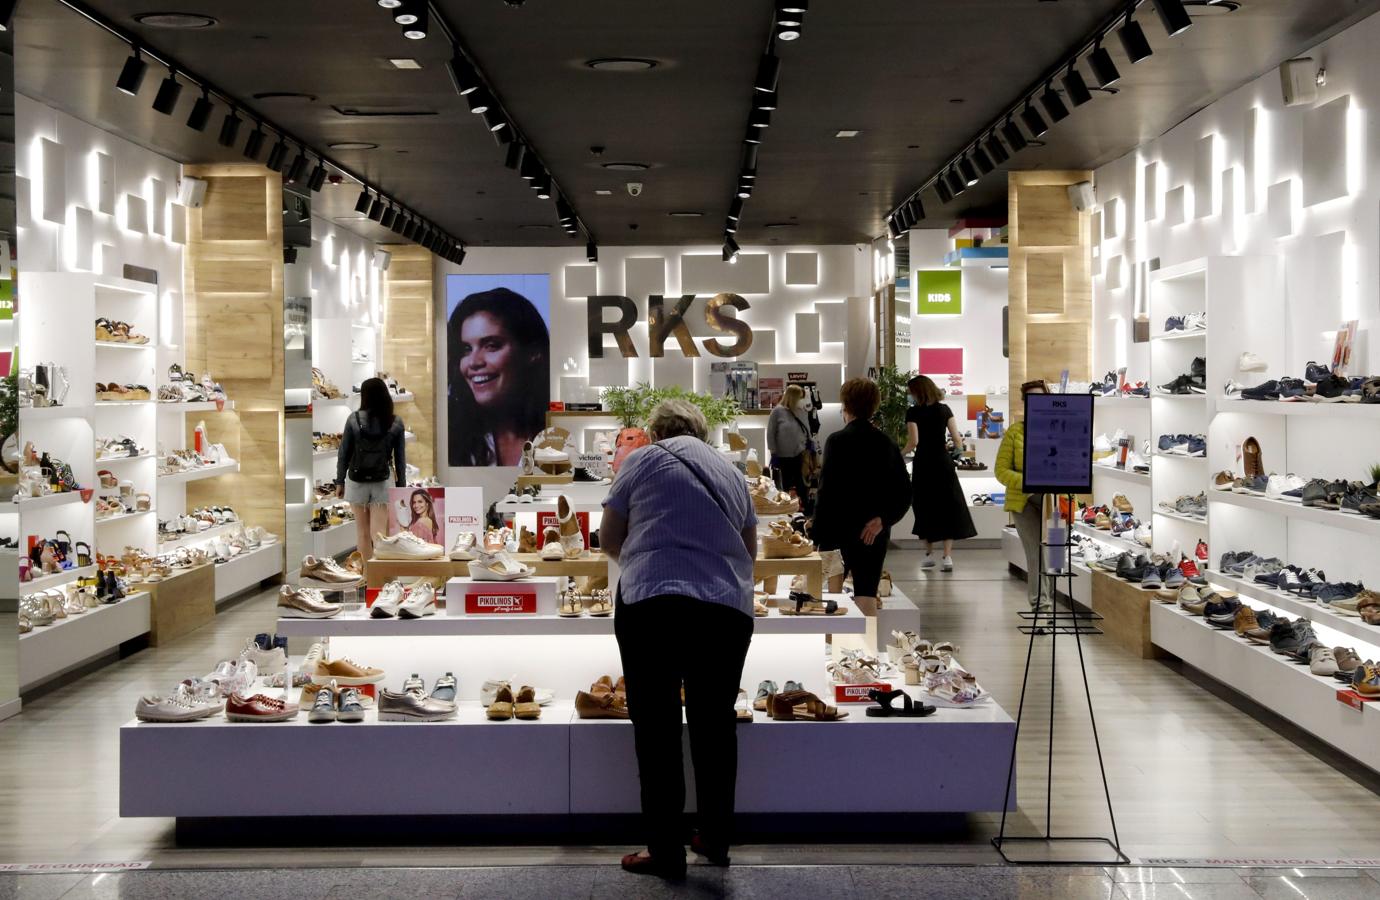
x,y
488,359
418,506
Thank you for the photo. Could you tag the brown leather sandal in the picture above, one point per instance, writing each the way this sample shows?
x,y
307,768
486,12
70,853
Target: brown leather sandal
x,y
804,706
526,706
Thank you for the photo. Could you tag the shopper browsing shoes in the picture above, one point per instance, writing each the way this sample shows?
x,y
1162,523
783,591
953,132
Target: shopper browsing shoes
x,y
1026,509
371,458
863,491
941,513
680,524
788,440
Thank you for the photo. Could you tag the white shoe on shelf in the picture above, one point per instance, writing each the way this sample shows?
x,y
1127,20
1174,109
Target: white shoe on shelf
x,y
406,545
572,541
1249,362
389,599
420,601
465,548
552,548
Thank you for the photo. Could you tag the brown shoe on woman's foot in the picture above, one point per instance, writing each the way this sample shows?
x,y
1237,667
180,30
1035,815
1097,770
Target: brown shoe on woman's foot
x,y
672,870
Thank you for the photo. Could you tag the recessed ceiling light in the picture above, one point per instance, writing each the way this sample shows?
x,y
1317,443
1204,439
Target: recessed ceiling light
x,y
626,166
351,219
685,214
174,20
603,193
621,64
286,95
846,133
779,225
353,145
405,63
1210,7
531,226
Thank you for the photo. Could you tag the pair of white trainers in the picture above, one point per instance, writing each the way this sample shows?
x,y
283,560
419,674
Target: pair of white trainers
x,y
396,602
946,564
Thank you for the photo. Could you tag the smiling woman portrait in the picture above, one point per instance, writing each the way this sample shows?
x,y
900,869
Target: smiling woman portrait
x,y
499,379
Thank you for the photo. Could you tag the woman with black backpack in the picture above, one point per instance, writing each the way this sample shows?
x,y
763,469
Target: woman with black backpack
x,y
372,457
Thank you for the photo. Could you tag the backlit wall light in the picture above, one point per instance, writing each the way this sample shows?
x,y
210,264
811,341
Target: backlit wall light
x,y
50,181
135,217
165,101
101,188
132,75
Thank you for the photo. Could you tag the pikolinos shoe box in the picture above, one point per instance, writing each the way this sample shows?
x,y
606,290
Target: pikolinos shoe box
x,y
857,693
527,597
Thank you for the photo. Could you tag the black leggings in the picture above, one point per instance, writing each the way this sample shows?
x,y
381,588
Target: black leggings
x,y
665,642
865,562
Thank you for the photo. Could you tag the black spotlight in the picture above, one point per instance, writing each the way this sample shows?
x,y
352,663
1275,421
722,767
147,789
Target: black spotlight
x,y
132,75
730,226
255,143
917,210
730,249
493,119
390,4
512,159
1033,120
277,156
564,213
764,100
591,252
460,257
753,136
410,229
1076,87
389,215
298,167
1054,104
463,76
165,101
200,116
362,204
996,149
787,31
1103,69
479,101
1133,39
744,190
376,208
399,222
735,209
892,228
1012,132
984,162
318,178
760,118
1173,15
946,196
416,31
967,172
900,217
955,182
407,11
768,71
544,188
229,129
530,168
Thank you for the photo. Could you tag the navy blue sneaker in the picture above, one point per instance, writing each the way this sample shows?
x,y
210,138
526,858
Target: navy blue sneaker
x,y
1174,323
1197,445
1292,389
1316,372
1267,391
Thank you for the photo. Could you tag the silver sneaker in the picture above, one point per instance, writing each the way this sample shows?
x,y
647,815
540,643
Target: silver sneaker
x,y
405,706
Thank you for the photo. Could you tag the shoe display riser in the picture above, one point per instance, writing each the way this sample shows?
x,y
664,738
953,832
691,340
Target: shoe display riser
x,y
1285,688
247,569
47,652
953,761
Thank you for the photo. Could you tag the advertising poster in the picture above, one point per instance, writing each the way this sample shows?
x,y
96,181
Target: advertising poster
x,y
464,511
769,391
498,366
421,511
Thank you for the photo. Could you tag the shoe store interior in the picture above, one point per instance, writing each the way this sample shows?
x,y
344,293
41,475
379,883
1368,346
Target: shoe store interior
x,y
862,449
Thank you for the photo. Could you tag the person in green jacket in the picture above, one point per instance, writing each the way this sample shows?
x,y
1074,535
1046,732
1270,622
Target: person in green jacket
x,y
1026,509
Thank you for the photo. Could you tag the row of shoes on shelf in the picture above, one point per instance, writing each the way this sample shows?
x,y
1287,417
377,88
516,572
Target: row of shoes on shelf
x,y
1194,445
1114,384
185,459
41,474
50,556
111,507
1346,598
122,447
1118,519
330,515
326,440
1192,506
1341,495
1194,381
43,608
201,519
115,392
1187,324
1318,385
113,331
322,388
185,387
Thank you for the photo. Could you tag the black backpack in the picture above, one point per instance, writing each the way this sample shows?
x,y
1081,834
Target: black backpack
x,y
372,456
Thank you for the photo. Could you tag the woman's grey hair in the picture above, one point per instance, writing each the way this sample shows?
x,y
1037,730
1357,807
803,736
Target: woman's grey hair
x,y
672,418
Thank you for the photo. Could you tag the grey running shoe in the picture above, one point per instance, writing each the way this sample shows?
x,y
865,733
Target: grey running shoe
x,y
323,710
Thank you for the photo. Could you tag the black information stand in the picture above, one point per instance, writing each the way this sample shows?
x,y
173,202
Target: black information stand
x,y
1058,461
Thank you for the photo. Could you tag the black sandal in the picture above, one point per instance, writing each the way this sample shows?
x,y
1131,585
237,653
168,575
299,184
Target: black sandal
x,y
884,709
817,606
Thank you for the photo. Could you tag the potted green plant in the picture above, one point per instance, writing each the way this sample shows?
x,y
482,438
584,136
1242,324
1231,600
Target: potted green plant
x,y
891,414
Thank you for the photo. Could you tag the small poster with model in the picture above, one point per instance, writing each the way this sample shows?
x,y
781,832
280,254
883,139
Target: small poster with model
x,y
1342,347
421,511
769,391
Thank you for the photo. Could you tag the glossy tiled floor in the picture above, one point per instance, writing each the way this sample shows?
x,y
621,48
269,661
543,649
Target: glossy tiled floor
x,y
1191,777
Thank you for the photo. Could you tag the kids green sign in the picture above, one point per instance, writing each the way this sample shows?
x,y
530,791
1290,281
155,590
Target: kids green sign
x,y
938,292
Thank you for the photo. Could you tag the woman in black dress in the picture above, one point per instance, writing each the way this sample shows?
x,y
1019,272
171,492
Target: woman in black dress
x,y
941,513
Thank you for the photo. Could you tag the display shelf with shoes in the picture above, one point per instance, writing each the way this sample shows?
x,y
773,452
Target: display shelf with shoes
x,y
1181,517
57,579
215,470
123,517
1332,518
33,413
46,501
1142,478
1241,406
48,652
248,569
1293,605
197,406
1198,335
1124,544
1120,400
1290,690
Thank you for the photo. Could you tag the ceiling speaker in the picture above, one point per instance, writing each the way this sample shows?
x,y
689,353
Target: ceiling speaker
x,y
1298,80
1082,196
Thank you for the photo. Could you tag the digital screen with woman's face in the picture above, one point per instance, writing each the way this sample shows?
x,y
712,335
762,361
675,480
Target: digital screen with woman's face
x,y
498,371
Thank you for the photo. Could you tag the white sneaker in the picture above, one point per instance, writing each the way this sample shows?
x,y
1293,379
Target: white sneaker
x,y
421,601
388,601
465,547
1143,534
406,545
947,564
572,541
927,562
177,708
1195,322
1278,484
1101,444
1249,362
268,662
551,547
550,456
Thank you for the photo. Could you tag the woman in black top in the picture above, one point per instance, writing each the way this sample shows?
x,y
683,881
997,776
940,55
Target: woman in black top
x,y
374,441
863,490
941,513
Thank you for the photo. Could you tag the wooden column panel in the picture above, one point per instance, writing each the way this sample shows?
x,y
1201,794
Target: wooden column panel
x,y
409,347
234,331
1050,315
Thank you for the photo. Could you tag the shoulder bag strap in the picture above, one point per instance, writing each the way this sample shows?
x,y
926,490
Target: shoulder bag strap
x,y
704,484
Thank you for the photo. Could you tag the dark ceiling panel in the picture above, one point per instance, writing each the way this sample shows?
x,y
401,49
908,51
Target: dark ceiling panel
x,y
887,68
